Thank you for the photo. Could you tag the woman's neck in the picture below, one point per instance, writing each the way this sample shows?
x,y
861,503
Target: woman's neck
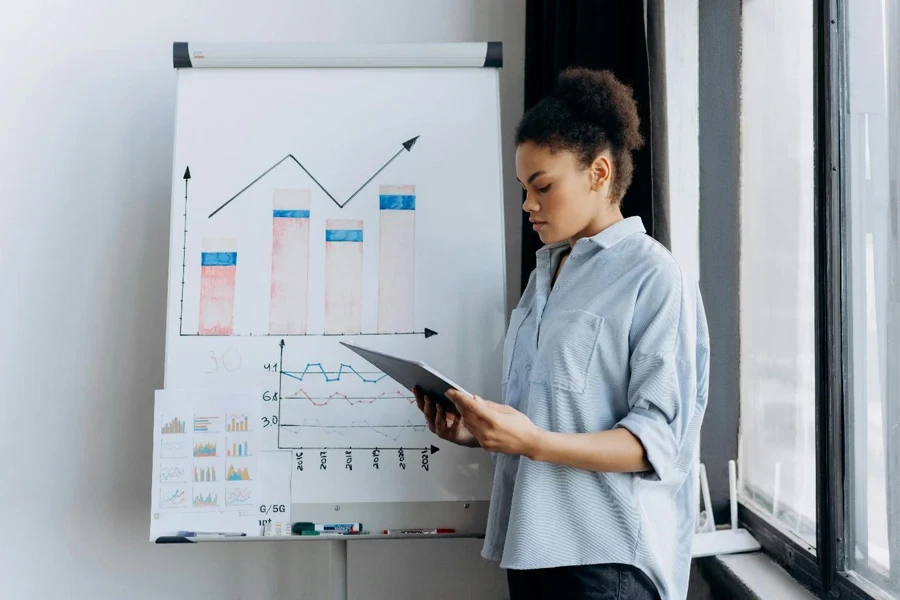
x,y
608,218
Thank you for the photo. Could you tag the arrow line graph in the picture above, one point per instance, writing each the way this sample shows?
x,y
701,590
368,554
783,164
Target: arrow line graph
x,y
406,146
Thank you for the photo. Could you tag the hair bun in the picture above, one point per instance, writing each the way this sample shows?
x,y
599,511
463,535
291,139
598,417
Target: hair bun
x,y
602,100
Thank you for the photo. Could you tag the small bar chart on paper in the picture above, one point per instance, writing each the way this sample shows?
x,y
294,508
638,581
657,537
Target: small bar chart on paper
x,y
239,447
207,500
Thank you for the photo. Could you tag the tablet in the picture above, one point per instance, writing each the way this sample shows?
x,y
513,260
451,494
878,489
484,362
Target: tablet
x,y
411,374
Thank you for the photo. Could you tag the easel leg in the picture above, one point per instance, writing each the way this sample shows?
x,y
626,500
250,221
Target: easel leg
x,y
337,570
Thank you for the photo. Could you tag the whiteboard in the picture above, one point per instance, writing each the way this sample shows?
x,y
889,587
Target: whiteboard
x,y
312,205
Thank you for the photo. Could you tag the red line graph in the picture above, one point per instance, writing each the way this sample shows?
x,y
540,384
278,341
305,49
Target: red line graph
x,y
351,400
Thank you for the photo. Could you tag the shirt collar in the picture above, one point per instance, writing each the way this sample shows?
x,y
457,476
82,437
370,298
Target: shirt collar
x,y
618,231
609,237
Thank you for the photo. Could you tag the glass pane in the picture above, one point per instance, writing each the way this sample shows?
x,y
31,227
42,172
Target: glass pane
x,y
777,298
872,248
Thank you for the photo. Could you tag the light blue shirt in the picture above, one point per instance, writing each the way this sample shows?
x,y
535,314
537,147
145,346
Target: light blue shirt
x,y
619,341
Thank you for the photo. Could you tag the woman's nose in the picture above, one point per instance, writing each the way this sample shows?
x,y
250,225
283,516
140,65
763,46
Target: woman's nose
x,y
530,205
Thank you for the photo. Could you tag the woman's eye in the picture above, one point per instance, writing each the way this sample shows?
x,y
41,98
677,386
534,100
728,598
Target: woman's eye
x,y
545,189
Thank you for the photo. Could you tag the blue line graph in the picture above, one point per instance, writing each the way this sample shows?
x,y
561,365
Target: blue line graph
x,y
332,376
173,473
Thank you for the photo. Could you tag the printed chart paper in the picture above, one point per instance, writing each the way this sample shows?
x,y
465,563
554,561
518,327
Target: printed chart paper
x,y
206,460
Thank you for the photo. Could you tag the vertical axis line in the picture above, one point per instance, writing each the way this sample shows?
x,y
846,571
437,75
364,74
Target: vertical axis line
x,y
183,260
280,369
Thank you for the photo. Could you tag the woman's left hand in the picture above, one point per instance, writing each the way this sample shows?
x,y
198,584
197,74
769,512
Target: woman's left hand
x,y
497,427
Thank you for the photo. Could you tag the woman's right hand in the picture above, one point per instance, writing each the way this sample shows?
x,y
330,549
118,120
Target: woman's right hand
x,y
447,426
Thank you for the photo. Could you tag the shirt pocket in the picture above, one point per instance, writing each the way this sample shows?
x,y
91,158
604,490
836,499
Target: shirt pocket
x,y
568,342
516,318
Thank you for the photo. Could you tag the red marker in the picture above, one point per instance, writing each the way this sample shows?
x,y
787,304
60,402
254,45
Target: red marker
x,y
418,531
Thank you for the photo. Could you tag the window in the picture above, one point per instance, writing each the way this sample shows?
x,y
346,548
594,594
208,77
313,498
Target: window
x,y
777,448
820,290
872,278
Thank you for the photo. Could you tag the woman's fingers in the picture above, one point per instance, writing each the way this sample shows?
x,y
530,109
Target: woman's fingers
x,y
440,421
430,414
420,398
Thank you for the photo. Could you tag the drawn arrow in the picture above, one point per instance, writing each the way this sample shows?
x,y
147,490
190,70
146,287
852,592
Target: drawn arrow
x,y
187,177
432,450
406,146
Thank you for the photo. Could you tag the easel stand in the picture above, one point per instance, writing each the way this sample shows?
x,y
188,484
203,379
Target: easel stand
x,y
338,565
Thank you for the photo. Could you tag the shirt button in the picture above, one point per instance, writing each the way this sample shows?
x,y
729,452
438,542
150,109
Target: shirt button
x,y
555,288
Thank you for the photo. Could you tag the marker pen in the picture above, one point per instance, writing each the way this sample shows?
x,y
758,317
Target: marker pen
x,y
299,527
418,531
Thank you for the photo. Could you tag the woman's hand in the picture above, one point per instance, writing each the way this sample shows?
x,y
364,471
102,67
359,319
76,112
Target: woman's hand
x,y
446,426
497,427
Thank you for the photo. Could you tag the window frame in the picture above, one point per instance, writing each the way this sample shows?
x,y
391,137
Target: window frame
x,y
822,569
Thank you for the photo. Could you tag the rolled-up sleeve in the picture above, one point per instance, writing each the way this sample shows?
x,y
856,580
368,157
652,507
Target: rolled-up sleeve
x,y
665,407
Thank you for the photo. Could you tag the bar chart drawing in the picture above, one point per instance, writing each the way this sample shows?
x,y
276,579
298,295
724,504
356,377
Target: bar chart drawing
x,y
210,500
396,258
172,427
343,276
207,474
289,293
239,449
306,272
206,424
237,423
218,272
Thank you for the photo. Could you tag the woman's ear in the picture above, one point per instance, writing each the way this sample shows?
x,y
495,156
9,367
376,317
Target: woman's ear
x,y
601,172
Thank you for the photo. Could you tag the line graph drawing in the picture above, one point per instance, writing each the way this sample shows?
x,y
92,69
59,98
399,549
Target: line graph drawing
x,y
391,432
301,431
239,496
172,474
334,376
407,146
173,449
351,400
172,498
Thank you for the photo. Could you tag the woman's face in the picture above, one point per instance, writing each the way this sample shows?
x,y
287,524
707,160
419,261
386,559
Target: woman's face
x,y
564,200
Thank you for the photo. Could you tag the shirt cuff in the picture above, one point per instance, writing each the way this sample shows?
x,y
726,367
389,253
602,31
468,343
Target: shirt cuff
x,y
650,427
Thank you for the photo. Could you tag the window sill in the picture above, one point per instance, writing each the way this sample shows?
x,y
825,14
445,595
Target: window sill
x,y
752,576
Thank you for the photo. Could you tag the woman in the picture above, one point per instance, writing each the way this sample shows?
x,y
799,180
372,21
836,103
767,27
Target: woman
x,y
604,373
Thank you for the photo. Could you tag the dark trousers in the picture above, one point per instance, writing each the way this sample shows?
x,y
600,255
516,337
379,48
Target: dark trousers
x,y
588,582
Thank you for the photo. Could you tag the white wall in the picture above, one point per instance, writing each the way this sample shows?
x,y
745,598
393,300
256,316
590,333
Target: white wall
x,y
86,114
